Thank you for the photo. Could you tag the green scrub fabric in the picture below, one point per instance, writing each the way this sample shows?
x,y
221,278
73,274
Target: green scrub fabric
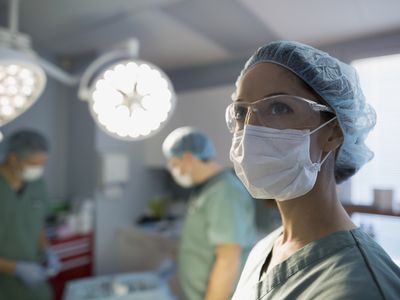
x,y
220,212
21,220
344,265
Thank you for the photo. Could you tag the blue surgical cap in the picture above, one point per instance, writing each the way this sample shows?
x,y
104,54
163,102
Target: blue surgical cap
x,y
25,143
338,84
188,139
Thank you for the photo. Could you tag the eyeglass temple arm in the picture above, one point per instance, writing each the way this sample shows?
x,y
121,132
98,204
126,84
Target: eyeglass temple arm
x,y
321,107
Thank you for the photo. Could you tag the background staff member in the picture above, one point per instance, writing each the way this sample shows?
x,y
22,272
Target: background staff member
x,y
219,228
25,258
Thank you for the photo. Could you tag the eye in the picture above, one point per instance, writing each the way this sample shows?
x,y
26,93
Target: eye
x,y
279,108
239,113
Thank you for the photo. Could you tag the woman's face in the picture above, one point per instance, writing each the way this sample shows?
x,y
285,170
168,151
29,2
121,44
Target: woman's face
x,y
268,79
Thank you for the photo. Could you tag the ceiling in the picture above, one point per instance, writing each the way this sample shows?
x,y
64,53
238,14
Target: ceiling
x,y
176,34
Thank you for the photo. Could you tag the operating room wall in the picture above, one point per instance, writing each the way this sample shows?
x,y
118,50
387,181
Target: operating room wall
x,y
81,148
113,213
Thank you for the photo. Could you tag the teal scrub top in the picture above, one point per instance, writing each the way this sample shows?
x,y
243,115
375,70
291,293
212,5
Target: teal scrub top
x,y
220,212
343,265
21,220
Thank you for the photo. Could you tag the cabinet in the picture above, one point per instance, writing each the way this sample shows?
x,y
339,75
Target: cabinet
x,y
76,255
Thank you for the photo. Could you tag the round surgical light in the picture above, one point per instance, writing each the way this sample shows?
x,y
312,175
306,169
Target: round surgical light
x,y
21,83
131,99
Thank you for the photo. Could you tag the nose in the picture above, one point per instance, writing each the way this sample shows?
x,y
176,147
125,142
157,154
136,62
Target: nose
x,y
251,118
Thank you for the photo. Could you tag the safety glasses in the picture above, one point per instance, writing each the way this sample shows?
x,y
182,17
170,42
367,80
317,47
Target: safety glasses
x,y
279,111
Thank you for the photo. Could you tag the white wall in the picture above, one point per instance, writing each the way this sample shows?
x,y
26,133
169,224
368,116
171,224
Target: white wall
x,y
204,109
123,211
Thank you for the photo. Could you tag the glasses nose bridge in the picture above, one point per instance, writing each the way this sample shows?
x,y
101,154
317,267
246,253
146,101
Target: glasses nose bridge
x,y
247,118
251,116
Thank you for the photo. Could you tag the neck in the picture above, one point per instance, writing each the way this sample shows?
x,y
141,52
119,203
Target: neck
x,y
12,178
314,215
204,171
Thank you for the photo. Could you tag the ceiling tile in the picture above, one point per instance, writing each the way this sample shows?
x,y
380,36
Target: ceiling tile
x,y
163,40
227,22
321,22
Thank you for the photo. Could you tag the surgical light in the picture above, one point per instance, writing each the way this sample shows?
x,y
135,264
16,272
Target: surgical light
x,y
129,99
22,80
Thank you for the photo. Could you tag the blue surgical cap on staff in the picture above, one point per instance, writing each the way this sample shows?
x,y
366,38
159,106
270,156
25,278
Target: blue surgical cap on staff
x,y
338,85
188,139
26,142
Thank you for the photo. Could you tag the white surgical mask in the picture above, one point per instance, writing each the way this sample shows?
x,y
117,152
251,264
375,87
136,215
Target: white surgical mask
x,y
184,180
32,173
274,163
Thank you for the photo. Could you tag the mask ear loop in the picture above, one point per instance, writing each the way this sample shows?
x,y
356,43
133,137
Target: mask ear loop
x,y
325,158
322,125
319,164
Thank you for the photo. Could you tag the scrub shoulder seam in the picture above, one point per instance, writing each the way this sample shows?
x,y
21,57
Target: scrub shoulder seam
x,y
368,265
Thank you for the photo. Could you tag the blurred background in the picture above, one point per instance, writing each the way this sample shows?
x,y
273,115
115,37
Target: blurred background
x,y
112,200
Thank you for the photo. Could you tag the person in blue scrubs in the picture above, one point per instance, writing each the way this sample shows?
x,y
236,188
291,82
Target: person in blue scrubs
x,y
26,260
299,121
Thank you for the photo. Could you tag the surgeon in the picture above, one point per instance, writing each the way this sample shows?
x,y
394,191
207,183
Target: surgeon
x,y
299,121
219,228
26,261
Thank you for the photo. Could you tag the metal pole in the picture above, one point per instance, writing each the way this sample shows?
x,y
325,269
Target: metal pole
x,y
13,16
57,73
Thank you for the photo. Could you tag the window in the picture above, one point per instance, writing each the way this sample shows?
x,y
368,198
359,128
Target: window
x,y
380,80
384,229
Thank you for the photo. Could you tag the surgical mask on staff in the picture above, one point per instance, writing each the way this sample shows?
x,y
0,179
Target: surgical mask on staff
x,y
184,180
275,163
32,173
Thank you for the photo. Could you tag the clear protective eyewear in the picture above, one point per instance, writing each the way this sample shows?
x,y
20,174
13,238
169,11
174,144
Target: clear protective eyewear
x,y
279,112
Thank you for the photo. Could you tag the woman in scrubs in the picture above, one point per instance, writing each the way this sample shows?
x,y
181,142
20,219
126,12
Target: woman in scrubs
x,y
299,121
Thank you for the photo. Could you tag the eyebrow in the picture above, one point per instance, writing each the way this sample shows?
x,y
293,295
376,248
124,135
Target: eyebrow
x,y
265,96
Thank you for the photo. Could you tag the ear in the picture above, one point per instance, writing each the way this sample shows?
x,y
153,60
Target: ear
x,y
333,138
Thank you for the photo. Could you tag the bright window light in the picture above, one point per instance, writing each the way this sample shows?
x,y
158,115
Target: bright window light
x,y
132,99
380,80
384,229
